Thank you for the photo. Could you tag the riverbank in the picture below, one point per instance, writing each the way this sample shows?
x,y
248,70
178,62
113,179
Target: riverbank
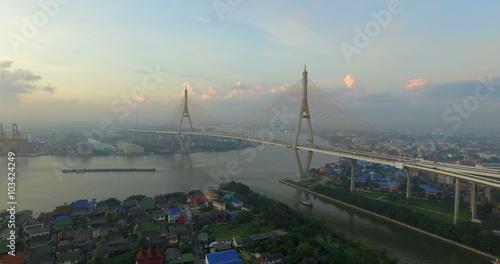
x,y
478,252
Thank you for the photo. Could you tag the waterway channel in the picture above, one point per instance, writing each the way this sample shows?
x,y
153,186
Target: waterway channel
x,y
41,187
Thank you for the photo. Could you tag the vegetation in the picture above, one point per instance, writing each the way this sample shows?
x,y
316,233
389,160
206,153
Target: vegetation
x,y
441,209
128,257
216,145
466,233
307,239
238,229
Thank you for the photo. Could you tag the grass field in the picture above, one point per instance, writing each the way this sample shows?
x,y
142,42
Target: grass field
x,y
438,209
306,184
228,230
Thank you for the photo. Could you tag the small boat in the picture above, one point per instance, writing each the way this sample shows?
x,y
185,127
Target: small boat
x,y
308,203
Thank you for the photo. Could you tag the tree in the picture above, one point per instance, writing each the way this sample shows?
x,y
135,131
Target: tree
x,y
109,201
137,197
141,243
114,216
185,248
245,217
303,250
99,257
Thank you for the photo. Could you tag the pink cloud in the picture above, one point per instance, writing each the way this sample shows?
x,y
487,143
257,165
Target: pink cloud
x,y
280,89
140,97
416,86
415,83
349,81
355,86
211,93
239,90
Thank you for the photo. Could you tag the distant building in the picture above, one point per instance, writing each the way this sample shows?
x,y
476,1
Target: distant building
x,y
127,147
99,147
445,179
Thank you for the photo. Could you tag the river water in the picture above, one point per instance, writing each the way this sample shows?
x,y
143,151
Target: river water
x,y
41,187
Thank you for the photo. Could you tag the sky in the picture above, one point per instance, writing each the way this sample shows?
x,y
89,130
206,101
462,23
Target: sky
x,y
404,64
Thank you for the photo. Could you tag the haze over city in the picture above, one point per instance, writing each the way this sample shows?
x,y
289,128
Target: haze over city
x,y
396,63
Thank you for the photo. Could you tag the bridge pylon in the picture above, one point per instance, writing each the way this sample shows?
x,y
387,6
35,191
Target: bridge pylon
x,y
304,113
185,113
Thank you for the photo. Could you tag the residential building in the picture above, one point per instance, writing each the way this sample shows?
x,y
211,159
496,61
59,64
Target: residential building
x,y
173,214
72,257
211,195
19,258
228,256
149,256
219,204
236,202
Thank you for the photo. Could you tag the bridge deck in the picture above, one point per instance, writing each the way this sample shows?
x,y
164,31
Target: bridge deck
x,y
485,176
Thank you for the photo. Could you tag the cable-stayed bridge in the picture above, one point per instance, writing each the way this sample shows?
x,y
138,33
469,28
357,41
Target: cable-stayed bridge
x,y
288,121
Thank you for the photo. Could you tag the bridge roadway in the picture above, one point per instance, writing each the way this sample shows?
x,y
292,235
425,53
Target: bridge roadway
x,y
484,176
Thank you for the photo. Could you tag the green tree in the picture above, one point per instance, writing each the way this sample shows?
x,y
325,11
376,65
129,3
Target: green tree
x,y
185,248
137,197
114,216
99,257
245,217
141,244
302,251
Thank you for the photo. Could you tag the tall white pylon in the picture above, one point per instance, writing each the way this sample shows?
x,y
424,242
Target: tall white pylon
x,y
303,169
185,113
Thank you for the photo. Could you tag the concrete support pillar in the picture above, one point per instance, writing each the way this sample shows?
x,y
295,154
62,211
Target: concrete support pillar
x,y
473,200
408,183
298,165
303,170
185,113
488,192
457,200
353,168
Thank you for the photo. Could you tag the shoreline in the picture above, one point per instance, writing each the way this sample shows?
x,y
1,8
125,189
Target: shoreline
x,y
478,252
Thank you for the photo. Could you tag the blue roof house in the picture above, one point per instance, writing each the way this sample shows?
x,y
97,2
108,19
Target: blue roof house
x,y
173,214
236,202
81,203
223,257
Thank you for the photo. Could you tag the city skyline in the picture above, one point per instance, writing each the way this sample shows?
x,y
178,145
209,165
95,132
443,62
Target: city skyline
x,y
396,63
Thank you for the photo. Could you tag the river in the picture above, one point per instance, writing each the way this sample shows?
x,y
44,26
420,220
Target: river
x,y
40,187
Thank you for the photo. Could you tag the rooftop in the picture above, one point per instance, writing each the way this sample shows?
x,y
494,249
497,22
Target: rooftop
x,y
224,257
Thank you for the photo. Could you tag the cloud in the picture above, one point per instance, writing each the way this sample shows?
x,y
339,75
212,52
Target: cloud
x,y
415,83
461,89
17,82
211,93
49,89
239,90
415,87
280,89
5,64
140,97
355,86
349,81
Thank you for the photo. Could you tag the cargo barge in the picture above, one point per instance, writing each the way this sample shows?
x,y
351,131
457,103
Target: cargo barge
x,y
108,170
